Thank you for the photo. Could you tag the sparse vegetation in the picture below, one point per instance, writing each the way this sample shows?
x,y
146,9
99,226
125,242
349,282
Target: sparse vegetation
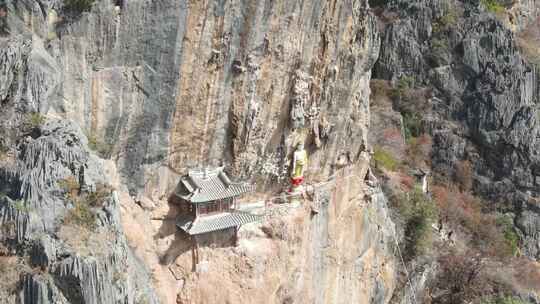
x,y
71,187
419,212
384,159
378,3
412,123
512,239
446,22
405,83
379,89
489,234
79,6
101,147
20,206
98,197
439,55
494,6
81,215
33,121
461,275
419,150
464,175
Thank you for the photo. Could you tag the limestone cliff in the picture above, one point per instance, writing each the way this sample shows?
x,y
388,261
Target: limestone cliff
x,y
484,94
157,87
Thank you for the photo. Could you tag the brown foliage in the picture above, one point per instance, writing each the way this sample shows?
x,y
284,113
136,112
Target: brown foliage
x,y
462,210
419,150
464,175
407,181
527,274
460,279
380,90
98,198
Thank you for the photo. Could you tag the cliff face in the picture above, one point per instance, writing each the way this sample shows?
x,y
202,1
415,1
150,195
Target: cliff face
x,y
485,94
336,254
174,84
159,87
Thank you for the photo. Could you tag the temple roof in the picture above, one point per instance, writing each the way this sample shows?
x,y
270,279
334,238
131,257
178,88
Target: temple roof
x,y
207,185
220,221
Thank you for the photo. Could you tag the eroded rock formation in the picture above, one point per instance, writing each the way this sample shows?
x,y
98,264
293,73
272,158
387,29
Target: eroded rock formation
x,y
158,87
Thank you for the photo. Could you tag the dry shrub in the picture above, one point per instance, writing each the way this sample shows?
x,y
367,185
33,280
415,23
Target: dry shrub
x,y
380,92
461,277
419,150
392,135
9,274
527,274
490,234
463,175
407,181
82,214
99,197
71,187
441,196
392,140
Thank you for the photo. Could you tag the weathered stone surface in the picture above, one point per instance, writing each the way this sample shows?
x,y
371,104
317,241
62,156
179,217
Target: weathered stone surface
x,y
163,86
486,94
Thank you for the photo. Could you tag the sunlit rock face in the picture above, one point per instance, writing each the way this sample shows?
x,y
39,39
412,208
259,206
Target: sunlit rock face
x,y
485,95
134,93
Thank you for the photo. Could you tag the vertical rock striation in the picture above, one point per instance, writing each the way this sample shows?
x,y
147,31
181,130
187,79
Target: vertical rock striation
x,y
486,94
159,87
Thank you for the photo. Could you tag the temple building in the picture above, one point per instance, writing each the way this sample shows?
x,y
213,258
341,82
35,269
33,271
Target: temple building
x,y
207,200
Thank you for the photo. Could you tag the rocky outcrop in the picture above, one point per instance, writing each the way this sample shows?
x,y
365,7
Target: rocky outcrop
x,y
77,265
480,80
220,88
332,246
158,87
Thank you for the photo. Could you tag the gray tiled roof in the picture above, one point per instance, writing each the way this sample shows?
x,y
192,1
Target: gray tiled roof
x,y
201,186
204,224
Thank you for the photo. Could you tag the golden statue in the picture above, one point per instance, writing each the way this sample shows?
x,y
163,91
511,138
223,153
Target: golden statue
x,y
299,164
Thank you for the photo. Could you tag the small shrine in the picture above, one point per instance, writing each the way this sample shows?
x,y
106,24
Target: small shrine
x,y
207,200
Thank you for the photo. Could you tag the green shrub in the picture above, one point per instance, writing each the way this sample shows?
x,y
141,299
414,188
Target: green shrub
x,y
384,159
33,121
81,215
412,123
446,22
20,206
102,148
509,233
494,6
419,212
79,6
378,3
